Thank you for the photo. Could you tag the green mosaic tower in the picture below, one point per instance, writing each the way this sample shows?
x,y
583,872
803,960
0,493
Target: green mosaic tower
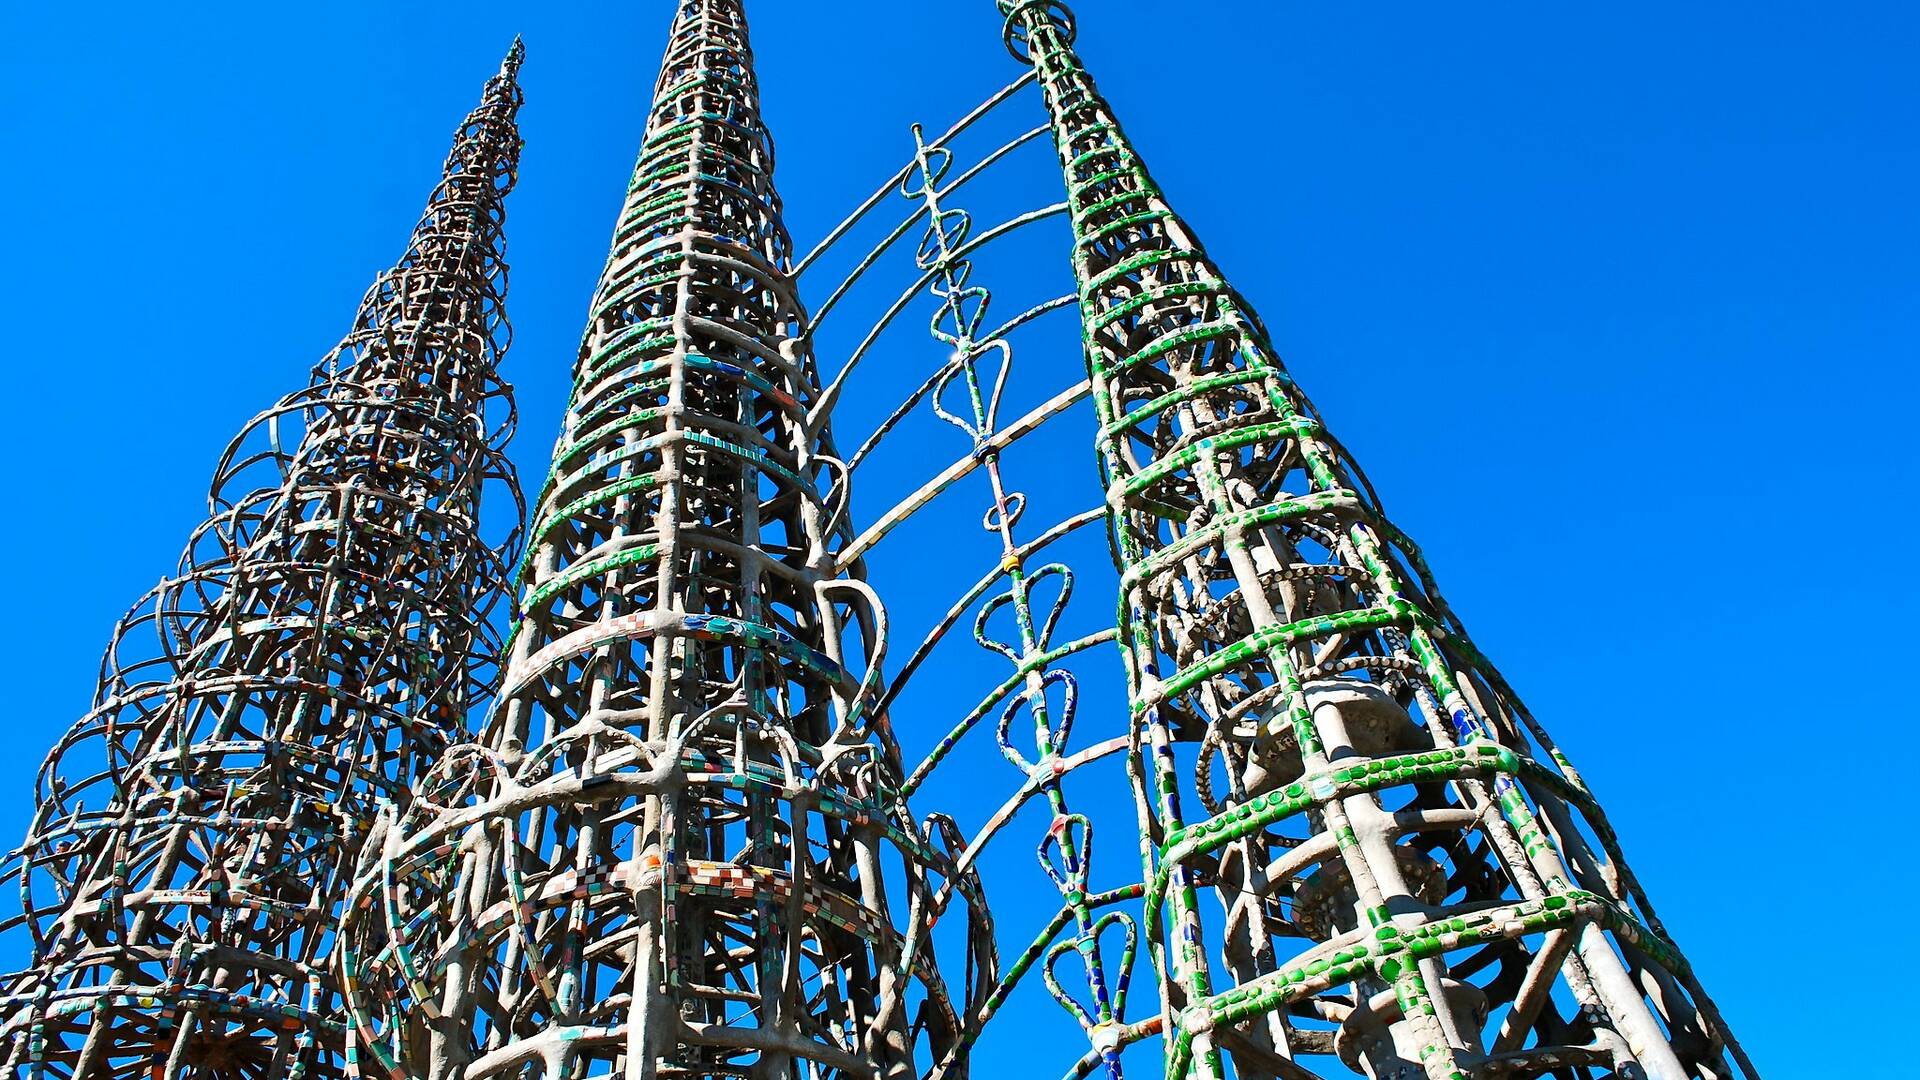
x,y
1411,880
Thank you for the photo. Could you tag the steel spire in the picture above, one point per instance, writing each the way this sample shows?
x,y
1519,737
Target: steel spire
x,y
679,852
313,655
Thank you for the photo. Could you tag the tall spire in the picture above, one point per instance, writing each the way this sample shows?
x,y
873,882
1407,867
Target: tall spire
x,y
1414,881
325,632
678,853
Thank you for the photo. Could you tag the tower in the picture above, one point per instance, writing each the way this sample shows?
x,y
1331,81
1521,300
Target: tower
x,y
313,655
677,851
1414,880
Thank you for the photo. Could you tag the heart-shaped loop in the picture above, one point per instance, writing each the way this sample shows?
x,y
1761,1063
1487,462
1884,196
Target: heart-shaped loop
x,y
1043,634
1114,1008
1072,836
957,322
994,603
1067,1001
984,410
1034,637
1108,1008
1051,727
961,371
1004,369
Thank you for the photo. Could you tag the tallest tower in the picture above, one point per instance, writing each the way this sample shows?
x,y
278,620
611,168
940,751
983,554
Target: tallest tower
x,y
678,852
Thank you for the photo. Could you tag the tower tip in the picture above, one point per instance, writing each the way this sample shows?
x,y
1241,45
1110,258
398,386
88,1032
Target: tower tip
x,y
516,52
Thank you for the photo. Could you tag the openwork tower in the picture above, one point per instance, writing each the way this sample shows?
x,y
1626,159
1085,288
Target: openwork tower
x,y
1411,879
677,852
313,656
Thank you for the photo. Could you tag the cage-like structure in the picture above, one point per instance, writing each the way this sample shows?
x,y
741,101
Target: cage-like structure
x,y
679,850
326,632
1404,861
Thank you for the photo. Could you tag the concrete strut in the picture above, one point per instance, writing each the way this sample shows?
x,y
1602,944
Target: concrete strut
x,y
680,850
311,658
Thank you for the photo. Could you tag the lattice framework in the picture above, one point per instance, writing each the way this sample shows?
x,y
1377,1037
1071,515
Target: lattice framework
x,y
318,647
680,851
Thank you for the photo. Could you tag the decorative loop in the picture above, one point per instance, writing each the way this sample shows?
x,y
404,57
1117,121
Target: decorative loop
x,y
945,233
1006,513
1107,1009
934,161
1020,20
1020,595
1072,836
1050,735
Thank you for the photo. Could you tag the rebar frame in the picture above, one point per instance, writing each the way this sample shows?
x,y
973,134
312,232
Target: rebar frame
x,y
1034,597
680,851
316,651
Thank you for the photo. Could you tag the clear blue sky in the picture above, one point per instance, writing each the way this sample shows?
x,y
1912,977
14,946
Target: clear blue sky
x,y
1617,304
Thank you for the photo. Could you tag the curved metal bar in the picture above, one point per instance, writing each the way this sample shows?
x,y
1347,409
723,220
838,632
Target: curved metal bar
x,y
905,509
1025,80
906,408
967,599
832,393
966,393
872,257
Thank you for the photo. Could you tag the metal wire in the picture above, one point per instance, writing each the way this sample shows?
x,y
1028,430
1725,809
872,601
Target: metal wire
x,y
681,850
324,635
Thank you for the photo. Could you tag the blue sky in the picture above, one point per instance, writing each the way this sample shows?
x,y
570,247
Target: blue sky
x,y
1617,305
